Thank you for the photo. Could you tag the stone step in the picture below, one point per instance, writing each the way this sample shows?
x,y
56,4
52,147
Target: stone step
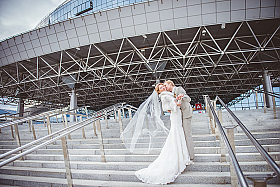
x,y
128,176
16,180
134,166
111,143
148,158
238,136
123,151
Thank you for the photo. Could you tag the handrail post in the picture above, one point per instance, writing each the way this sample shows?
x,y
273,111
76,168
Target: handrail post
x,y
66,124
99,133
274,107
261,150
222,144
12,131
264,103
63,120
130,115
49,124
212,123
237,168
67,161
220,117
206,104
29,125
33,130
120,121
83,129
123,112
17,137
44,121
86,111
230,135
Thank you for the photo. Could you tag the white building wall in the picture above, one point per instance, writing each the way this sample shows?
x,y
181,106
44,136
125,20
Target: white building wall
x,y
143,18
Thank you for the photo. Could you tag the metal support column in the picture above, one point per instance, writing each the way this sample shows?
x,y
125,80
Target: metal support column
x,y
20,108
268,88
116,116
120,122
264,103
73,105
274,108
257,101
206,104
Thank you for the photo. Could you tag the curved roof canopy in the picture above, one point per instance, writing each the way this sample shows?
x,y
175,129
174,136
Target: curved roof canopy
x,y
117,55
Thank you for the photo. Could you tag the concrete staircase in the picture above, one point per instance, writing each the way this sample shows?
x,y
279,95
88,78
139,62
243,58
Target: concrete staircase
x,y
45,167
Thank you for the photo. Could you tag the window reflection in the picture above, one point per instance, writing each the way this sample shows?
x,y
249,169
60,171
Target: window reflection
x,y
74,8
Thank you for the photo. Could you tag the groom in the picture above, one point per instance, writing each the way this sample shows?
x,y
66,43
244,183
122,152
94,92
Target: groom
x,y
187,111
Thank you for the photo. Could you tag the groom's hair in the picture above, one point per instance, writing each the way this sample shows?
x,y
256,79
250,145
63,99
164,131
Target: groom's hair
x,y
170,82
157,87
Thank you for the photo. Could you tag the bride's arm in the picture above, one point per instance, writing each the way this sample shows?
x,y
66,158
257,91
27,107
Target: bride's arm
x,y
169,103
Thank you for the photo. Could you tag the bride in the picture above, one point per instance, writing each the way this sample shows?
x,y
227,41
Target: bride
x,y
174,155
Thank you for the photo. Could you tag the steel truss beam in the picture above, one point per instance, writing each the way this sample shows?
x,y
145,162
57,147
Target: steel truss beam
x,y
201,60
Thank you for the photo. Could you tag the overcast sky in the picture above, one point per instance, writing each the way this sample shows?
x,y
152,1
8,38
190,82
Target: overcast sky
x,y
17,16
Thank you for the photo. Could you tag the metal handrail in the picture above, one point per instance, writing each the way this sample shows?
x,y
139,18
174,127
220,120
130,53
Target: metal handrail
x,y
9,114
43,138
261,150
236,166
131,107
55,112
102,113
269,93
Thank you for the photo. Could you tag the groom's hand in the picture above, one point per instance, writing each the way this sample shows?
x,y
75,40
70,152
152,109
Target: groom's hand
x,y
179,97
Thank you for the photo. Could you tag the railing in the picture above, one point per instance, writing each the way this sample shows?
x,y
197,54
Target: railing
x,y
67,131
261,150
268,93
238,171
41,116
259,180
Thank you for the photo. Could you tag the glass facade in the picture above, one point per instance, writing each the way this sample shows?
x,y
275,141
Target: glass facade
x,y
251,102
73,8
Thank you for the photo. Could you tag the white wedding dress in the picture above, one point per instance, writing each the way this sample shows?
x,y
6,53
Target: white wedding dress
x,y
174,155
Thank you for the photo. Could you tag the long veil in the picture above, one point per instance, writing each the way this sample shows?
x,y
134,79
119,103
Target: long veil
x,y
146,128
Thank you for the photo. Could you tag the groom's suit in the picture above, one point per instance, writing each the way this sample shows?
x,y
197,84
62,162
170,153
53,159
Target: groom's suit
x,y
186,118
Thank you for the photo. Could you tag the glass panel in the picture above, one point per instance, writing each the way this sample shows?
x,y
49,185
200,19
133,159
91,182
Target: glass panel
x,y
73,7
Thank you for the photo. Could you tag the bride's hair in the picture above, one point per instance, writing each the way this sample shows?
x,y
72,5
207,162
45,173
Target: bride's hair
x,y
170,82
157,87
